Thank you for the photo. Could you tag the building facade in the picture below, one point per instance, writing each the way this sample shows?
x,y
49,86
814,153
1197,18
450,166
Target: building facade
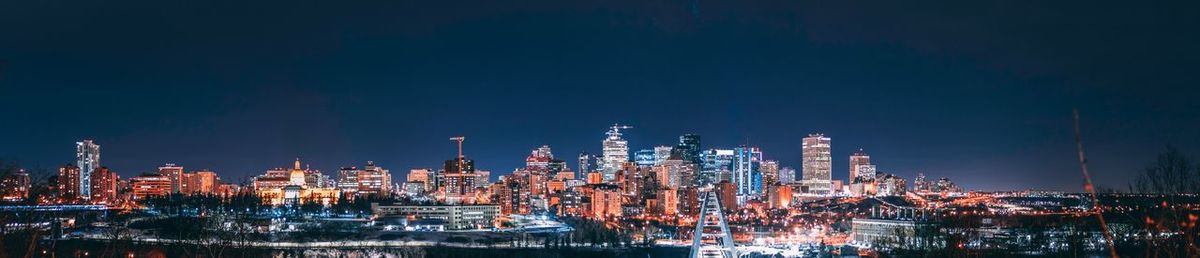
x,y
818,164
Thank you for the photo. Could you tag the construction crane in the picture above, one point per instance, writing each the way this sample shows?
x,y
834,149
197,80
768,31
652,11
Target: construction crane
x,y
460,158
615,130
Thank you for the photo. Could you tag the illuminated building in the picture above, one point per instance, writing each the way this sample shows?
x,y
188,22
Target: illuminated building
x,y
644,158
15,187
747,173
571,203
587,163
817,164
787,175
615,152
347,181
87,160
717,165
422,175
890,185
899,227
606,202
920,185
689,148
69,190
779,196
482,178
456,217
727,194
565,175
373,180
676,174
662,153
859,158
595,178
770,172
668,201
292,187
147,185
104,186
457,182
411,188
228,190
201,182
173,173
511,196
863,183
539,158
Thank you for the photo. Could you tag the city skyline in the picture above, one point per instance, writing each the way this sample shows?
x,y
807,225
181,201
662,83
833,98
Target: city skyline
x,y
630,157
989,98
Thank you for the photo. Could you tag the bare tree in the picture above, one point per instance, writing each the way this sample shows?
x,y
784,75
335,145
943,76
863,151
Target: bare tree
x,y
1170,173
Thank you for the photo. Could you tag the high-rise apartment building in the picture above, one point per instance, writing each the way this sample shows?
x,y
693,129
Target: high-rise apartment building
x,y
69,188
87,160
104,186
817,166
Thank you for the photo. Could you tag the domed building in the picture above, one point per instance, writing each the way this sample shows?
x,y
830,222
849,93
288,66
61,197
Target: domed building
x,y
296,186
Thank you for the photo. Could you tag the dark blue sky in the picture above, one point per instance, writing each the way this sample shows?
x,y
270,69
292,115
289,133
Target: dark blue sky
x,y
979,91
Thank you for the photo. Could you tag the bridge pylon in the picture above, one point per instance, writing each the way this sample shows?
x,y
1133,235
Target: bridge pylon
x,y
712,237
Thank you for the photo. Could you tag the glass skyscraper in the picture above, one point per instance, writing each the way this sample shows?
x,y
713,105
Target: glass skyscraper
x,y
747,173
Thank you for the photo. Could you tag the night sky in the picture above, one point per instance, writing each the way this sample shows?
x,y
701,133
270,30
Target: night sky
x,y
978,91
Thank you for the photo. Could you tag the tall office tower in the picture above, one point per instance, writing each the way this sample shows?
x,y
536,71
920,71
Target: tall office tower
x,y
173,173
817,164
104,186
587,163
858,158
715,166
689,148
662,153
69,188
747,173
347,180
374,180
616,152
87,159
644,158
770,172
674,173
787,175
458,182
202,182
